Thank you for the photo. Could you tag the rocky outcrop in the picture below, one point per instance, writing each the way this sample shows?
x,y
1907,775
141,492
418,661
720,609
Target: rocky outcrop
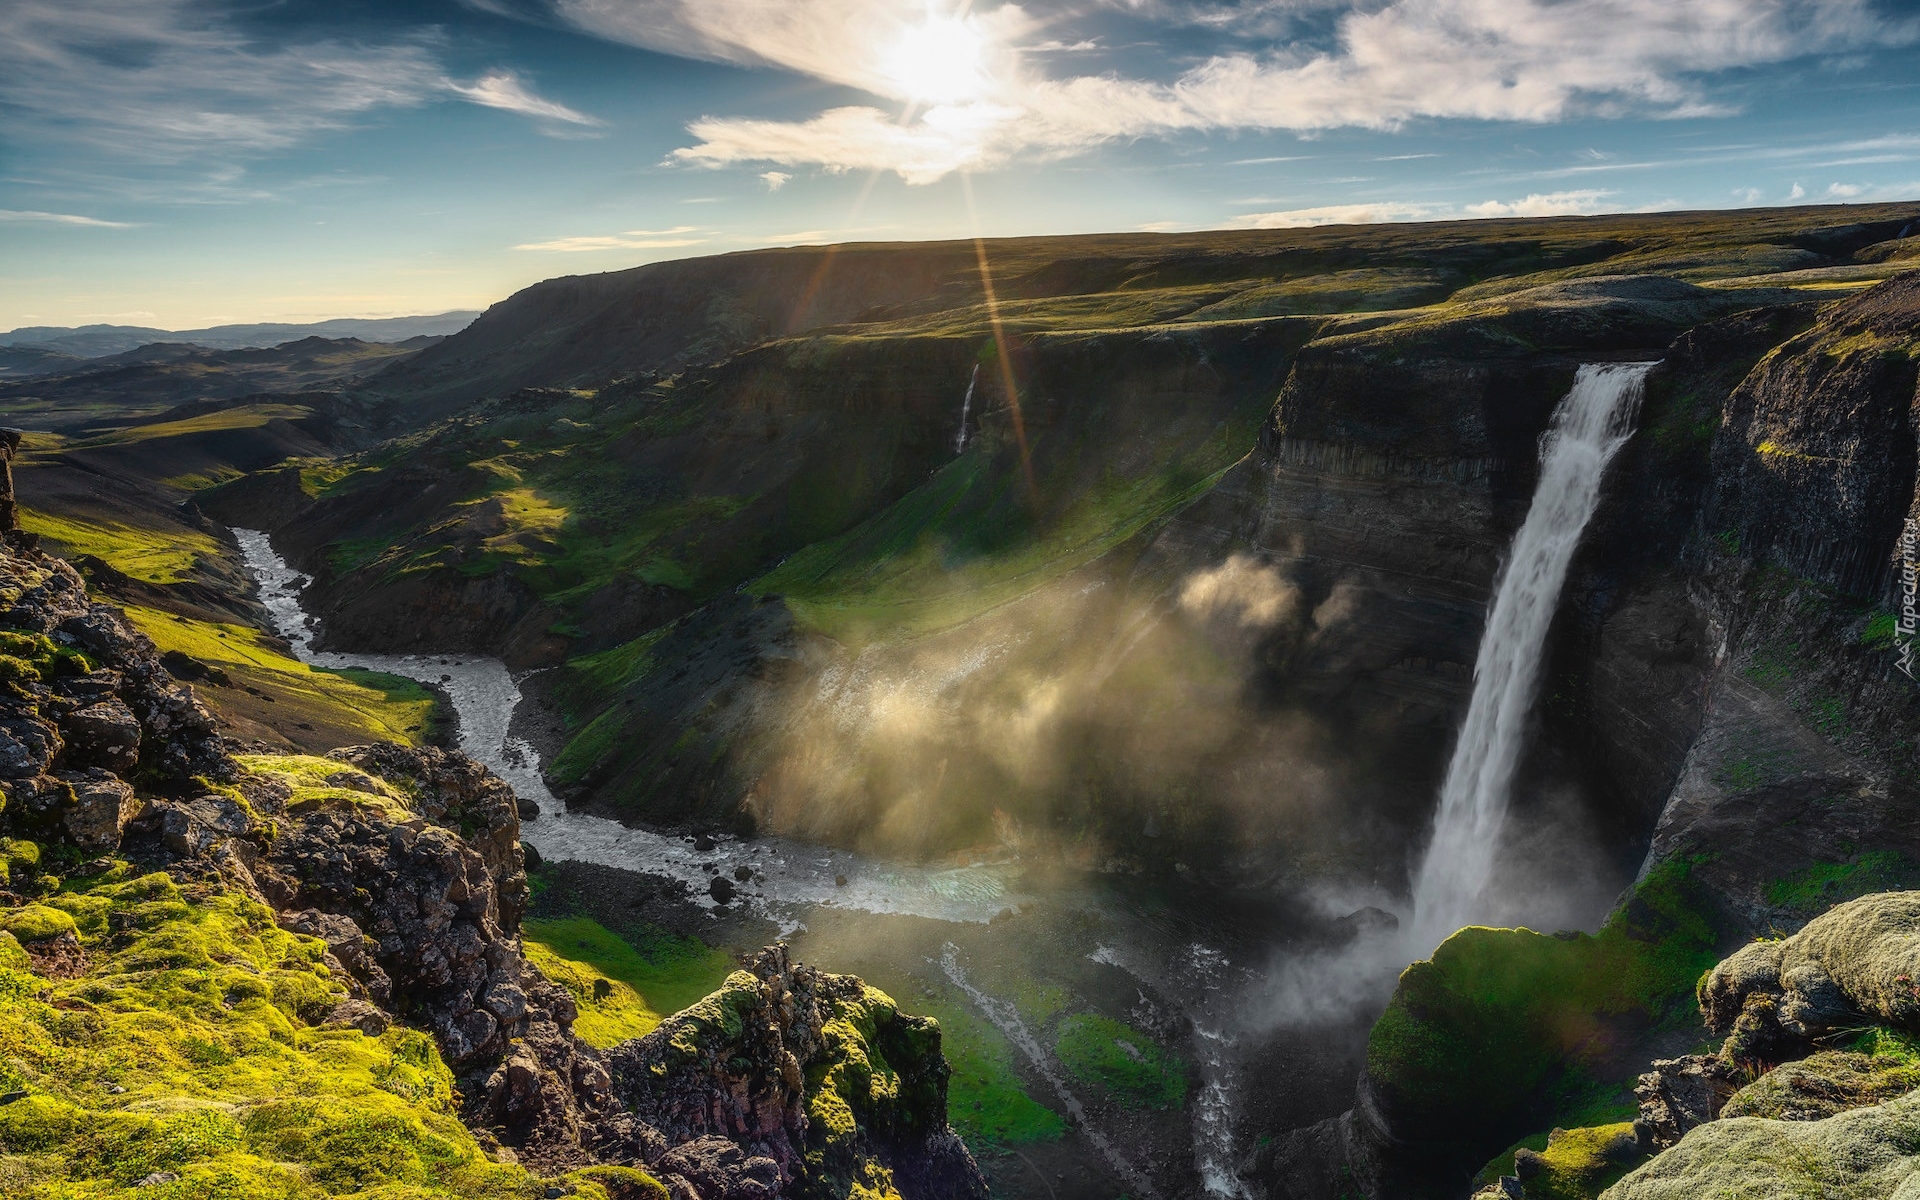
x,y
1870,1149
1679,1094
407,869
822,1080
1855,964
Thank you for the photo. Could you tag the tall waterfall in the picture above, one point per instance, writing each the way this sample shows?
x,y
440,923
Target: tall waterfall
x,y
966,409
1590,425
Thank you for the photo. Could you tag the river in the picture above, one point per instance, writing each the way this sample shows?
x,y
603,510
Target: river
x,y
1101,943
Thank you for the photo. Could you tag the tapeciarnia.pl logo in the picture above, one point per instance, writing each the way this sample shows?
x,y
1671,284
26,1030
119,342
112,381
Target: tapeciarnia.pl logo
x,y
1904,630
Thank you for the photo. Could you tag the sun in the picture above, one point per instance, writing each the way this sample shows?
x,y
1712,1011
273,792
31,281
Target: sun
x,y
939,62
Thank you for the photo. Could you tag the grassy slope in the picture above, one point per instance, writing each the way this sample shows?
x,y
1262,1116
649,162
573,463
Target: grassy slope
x,y
135,527
272,689
622,991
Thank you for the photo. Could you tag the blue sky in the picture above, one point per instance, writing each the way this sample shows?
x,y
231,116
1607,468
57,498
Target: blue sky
x,y
180,163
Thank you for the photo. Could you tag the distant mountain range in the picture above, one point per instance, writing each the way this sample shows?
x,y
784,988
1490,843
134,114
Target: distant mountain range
x,y
97,341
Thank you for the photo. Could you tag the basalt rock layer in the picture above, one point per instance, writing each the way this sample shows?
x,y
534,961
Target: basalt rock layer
x,y
1790,760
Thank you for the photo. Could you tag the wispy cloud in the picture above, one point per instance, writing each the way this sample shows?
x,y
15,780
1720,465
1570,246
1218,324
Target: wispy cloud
x,y
503,89
1385,64
162,79
1336,214
1551,204
54,218
178,84
775,180
632,239
1547,204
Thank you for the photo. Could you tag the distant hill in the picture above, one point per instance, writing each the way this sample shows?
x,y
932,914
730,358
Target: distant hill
x,y
71,392
98,341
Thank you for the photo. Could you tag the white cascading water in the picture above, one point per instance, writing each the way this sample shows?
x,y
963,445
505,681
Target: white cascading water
x,y
966,410
1589,427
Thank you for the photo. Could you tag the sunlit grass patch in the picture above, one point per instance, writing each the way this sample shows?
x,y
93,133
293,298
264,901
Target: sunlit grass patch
x,y
153,555
245,416
662,974
381,707
962,544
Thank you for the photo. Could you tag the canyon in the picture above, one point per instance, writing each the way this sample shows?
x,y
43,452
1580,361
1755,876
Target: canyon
x,y
1111,644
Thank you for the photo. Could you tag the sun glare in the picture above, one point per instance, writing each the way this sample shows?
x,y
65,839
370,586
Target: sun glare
x,y
939,62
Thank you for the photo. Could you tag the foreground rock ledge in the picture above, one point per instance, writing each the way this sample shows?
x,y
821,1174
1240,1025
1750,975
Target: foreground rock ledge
x,y
384,897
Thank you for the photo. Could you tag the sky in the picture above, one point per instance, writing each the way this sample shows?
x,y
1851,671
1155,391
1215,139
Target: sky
x,y
180,163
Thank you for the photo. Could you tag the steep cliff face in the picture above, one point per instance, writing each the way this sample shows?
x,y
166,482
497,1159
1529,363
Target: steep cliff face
x,y
1796,790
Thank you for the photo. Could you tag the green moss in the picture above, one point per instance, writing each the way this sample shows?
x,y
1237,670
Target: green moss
x,y
30,658
1815,889
308,775
193,1046
1132,1068
35,923
647,978
616,1183
1507,1029
1881,632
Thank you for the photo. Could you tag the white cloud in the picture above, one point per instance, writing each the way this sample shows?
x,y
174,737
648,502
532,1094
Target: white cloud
x,y
503,89
1336,214
1549,204
1797,193
632,239
775,180
1844,191
53,218
1388,63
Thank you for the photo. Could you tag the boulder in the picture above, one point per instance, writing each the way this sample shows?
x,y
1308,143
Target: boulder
x,y
1680,1094
105,734
102,806
1862,1152
1857,963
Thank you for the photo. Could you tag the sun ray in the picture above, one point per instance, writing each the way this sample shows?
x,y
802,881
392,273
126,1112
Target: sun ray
x,y
1000,340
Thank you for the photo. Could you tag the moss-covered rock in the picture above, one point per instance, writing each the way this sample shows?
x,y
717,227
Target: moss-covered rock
x,y
35,923
1855,964
1862,1154
195,1047
1825,1083
847,1095
1506,1030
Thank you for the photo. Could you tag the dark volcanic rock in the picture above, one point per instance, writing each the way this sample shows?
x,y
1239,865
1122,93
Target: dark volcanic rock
x,y
773,1062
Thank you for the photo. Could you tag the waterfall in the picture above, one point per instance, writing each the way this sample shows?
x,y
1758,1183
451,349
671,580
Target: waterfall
x,y
966,407
1589,426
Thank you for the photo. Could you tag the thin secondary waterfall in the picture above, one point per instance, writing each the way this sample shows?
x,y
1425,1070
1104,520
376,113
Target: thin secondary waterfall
x,y
1589,427
966,409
